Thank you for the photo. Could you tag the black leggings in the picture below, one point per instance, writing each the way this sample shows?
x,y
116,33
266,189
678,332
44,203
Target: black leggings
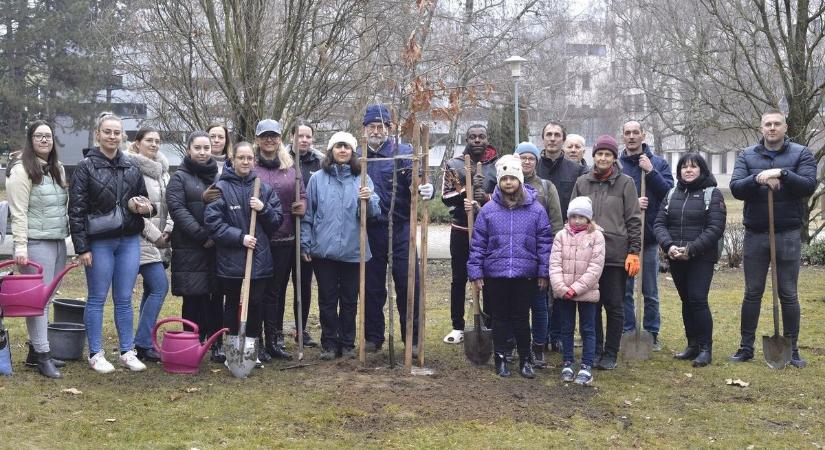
x,y
692,279
510,300
231,312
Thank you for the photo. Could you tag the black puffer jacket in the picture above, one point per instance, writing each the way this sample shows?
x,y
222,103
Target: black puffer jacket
x,y
685,222
193,266
93,191
227,220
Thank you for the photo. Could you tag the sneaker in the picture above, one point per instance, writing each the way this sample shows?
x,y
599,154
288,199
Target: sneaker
x,y
327,354
567,372
131,361
584,377
258,363
147,354
348,353
657,346
797,360
555,346
99,364
454,337
741,355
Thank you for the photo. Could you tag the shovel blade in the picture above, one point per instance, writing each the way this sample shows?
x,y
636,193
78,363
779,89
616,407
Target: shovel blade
x,y
478,345
636,345
777,350
241,354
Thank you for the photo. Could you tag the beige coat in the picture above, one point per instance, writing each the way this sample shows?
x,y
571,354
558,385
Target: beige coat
x,y
156,176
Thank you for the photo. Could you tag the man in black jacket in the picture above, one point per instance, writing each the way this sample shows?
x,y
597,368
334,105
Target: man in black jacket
x,y
789,169
563,173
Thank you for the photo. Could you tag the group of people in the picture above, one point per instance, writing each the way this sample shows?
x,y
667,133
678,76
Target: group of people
x,y
553,236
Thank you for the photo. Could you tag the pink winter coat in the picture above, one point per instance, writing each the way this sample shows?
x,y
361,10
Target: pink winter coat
x,y
576,261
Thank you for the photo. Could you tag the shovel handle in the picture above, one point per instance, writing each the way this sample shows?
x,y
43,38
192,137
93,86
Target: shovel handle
x,y
250,254
774,284
468,174
299,320
639,277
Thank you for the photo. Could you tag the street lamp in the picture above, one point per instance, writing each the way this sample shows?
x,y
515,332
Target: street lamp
x,y
515,70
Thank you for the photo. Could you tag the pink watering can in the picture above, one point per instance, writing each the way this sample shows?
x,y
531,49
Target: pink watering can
x,y
24,294
182,351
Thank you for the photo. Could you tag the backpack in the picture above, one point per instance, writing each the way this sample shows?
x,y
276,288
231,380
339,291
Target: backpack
x,y
708,195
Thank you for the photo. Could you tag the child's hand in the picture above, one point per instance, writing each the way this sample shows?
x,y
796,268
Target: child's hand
x,y
569,294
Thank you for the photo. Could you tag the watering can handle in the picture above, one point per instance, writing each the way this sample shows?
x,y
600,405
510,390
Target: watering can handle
x,y
193,325
29,263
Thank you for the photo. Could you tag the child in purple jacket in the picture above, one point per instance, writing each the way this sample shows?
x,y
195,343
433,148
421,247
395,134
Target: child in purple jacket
x,y
509,257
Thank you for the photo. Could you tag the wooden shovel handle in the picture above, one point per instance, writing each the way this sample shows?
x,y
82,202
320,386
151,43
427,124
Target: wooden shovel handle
x,y
468,173
250,255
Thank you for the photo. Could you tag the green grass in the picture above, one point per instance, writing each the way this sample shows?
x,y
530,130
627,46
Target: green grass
x,y
653,404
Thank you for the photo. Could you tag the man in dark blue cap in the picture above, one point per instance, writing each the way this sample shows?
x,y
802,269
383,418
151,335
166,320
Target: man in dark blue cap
x,y
376,129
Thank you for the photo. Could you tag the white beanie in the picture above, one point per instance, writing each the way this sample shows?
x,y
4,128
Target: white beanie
x,y
342,136
509,165
581,206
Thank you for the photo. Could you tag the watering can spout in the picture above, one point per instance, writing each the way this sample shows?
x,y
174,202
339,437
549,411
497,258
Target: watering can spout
x,y
206,345
52,287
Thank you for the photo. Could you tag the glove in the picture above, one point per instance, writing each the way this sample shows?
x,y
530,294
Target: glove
x,y
631,264
569,294
425,191
211,194
478,188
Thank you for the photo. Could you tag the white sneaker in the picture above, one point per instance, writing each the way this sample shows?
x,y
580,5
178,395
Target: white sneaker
x,y
455,337
99,364
131,361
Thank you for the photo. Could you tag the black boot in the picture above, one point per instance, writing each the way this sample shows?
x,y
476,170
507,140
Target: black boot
x,y
526,367
538,356
217,356
31,358
46,366
690,352
501,365
276,348
263,351
705,356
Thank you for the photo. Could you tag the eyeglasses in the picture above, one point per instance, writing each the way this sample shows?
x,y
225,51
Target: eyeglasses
x,y
108,132
42,137
269,137
528,159
376,128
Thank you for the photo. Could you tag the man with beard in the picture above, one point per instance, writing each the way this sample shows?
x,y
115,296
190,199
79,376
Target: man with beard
x,y
637,161
376,129
563,173
459,199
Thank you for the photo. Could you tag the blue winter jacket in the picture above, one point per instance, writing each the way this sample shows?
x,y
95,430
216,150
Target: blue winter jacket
x,y
657,184
330,226
227,220
511,243
788,201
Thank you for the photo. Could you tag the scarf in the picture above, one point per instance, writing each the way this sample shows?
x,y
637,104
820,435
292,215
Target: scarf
x,y
602,176
578,229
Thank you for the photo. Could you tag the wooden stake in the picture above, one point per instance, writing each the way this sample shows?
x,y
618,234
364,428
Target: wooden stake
x,y
412,261
425,223
362,262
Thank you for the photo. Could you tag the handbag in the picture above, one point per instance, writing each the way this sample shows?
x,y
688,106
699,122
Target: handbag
x,y
110,221
5,350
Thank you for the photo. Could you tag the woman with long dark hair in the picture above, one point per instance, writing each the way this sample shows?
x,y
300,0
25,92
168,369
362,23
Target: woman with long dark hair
x,y
107,204
38,201
688,228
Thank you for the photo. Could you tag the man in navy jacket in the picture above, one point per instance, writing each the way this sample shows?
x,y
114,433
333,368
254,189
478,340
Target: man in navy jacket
x,y
637,160
789,169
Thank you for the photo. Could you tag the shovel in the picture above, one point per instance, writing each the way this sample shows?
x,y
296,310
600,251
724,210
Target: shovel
x,y
777,349
638,345
299,317
241,351
478,341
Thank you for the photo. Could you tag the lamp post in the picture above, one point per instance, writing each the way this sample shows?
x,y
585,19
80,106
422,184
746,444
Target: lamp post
x,y
515,70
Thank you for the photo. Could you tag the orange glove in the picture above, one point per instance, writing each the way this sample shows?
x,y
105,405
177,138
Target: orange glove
x,y
631,264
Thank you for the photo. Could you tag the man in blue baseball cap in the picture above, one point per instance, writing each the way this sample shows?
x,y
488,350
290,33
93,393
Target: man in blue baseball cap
x,y
377,124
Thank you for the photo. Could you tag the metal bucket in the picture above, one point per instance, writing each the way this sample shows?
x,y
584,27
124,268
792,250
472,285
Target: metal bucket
x,y
69,310
67,340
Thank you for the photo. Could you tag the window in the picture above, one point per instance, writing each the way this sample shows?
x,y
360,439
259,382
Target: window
x,y
586,82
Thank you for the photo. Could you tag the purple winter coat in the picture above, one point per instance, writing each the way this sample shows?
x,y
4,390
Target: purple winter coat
x,y
511,243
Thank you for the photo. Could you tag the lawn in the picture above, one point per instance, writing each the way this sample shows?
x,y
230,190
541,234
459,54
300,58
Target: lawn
x,y
653,404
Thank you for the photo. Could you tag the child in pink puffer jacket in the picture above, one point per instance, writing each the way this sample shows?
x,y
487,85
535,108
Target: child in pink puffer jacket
x,y
576,263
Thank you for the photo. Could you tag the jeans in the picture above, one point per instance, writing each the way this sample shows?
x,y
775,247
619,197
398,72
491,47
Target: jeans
x,y
587,326
539,310
692,279
611,293
459,254
510,300
650,292
553,321
337,302
115,264
756,261
155,287
51,254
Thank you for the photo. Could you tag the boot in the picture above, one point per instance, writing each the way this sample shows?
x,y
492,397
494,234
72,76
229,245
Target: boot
x,y
263,351
46,366
704,358
217,356
690,352
501,365
538,356
526,367
31,358
275,350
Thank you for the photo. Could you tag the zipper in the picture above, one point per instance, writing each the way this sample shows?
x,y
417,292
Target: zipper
x,y
510,259
682,220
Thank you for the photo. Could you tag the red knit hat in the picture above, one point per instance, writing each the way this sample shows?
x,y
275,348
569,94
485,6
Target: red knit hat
x,y
606,142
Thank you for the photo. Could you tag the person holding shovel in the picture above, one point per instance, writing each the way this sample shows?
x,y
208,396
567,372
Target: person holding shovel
x,y
616,210
509,257
227,220
688,227
330,240
789,170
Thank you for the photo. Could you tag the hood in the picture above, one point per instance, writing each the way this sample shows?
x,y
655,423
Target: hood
x,y
230,176
153,168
